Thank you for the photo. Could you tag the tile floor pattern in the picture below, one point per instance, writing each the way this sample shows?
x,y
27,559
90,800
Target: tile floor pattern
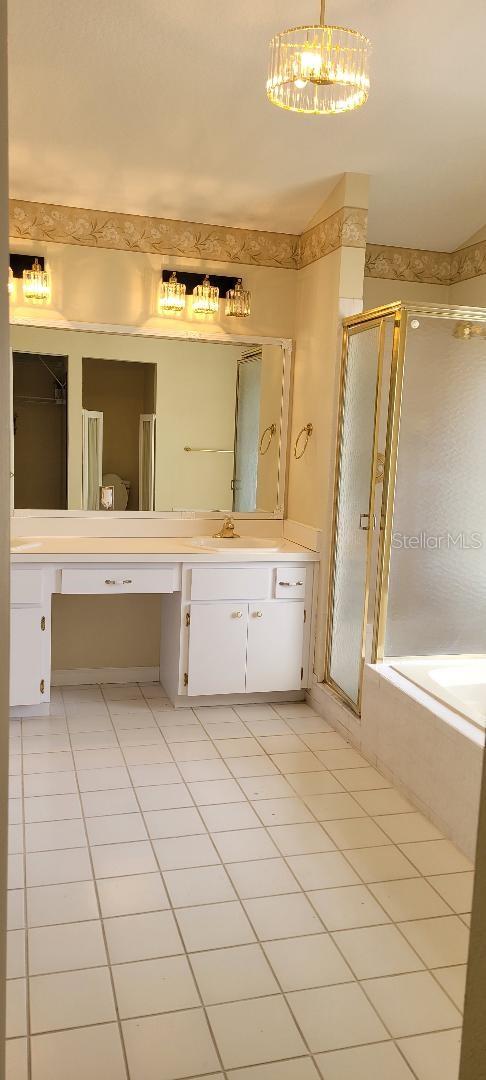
x,y
232,894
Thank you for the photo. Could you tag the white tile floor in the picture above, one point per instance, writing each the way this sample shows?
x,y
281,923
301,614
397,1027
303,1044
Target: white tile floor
x,y
229,894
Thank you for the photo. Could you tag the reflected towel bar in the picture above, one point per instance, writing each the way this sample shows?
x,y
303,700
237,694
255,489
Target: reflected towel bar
x,y
204,450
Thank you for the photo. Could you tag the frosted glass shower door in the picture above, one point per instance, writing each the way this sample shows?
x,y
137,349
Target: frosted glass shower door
x,y
354,519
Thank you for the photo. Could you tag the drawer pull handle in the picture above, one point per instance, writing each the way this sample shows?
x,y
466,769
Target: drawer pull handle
x,y
112,581
290,584
237,615
258,614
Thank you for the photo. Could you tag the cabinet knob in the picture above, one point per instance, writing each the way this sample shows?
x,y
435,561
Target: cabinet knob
x,y
258,614
237,615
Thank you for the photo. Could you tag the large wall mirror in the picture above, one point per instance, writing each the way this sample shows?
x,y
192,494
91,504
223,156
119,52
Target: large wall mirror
x,y
153,423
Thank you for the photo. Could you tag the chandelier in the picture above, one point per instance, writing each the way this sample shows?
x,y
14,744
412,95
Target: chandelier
x,y
319,69
36,284
172,295
205,298
238,301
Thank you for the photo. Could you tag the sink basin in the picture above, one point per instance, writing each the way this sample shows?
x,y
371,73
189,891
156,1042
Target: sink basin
x,y
240,543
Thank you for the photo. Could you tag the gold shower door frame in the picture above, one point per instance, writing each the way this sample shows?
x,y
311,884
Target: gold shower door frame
x,y
400,312
358,324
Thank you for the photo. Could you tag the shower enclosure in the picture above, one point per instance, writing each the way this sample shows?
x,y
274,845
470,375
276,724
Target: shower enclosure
x,y
408,552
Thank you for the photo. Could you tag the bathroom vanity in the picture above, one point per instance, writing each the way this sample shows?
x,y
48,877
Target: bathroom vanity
x,y
235,622
236,614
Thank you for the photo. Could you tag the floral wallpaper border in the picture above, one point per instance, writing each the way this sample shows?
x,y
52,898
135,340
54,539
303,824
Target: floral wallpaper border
x,y
426,267
468,262
163,236
345,228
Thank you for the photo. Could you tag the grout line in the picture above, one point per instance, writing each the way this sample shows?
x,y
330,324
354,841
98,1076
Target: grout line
x,y
26,931
184,952
240,900
102,928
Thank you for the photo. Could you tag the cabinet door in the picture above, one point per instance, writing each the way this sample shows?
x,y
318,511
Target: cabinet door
x,y
25,656
217,648
275,642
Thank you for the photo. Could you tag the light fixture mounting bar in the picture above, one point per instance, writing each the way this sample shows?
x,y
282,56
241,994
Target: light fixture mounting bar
x,y
323,13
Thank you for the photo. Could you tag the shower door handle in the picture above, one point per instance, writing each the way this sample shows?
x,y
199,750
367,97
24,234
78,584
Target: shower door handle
x,y
364,522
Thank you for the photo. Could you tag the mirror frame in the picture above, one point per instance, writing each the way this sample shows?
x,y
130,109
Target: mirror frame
x,y
286,345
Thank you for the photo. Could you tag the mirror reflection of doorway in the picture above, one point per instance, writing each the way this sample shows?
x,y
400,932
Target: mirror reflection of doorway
x,y
120,397
40,431
248,388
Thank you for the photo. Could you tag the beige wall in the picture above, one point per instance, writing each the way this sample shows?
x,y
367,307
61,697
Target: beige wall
x,y
380,291
196,401
470,293
327,291
120,287
105,631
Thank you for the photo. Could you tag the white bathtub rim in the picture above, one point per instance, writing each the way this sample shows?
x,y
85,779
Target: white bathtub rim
x,y
433,704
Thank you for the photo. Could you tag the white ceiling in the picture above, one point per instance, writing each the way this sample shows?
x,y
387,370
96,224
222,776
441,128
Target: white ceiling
x,y
159,107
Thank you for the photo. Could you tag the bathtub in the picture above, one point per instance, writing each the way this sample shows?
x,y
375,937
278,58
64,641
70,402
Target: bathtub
x,y
422,725
458,681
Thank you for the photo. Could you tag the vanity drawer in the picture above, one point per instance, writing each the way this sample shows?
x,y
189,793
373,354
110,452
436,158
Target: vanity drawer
x,y
120,579
290,583
221,583
26,585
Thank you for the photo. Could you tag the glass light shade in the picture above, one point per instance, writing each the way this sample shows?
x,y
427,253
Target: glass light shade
x,y
319,69
11,284
172,295
238,301
36,284
205,298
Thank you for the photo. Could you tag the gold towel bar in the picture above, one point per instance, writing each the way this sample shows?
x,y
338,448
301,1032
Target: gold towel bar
x,y
204,450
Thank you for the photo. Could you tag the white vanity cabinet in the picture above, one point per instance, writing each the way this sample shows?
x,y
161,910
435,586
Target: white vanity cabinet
x,y
29,637
234,630
246,630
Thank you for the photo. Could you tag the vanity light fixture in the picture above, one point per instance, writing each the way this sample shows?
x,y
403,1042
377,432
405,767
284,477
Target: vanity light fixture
x,y
11,286
319,69
205,298
238,301
172,295
36,284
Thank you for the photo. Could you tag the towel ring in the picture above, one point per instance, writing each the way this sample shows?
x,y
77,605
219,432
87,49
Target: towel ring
x,y
270,432
306,432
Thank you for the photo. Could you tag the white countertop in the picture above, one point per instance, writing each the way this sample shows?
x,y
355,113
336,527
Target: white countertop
x,y
55,549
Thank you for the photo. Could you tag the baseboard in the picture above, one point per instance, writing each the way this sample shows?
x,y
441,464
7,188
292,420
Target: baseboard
x,y
264,698
305,535
80,676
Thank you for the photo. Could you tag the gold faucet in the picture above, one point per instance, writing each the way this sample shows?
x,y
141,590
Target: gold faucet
x,y
227,531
